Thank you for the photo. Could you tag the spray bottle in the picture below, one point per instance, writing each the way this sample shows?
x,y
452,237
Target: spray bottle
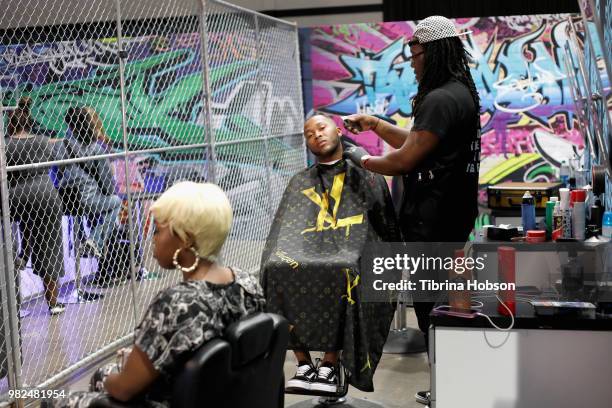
x,y
566,213
550,207
528,212
557,230
607,224
579,220
564,173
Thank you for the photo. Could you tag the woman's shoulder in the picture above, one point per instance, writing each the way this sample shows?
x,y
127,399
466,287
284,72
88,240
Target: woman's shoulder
x,y
40,146
247,281
176,295
191,291
181,299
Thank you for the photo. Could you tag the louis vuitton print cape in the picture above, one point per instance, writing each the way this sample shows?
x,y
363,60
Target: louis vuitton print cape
x,y
310,267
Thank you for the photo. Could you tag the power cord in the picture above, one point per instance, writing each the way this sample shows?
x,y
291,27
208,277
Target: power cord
x,y
476,304
491,321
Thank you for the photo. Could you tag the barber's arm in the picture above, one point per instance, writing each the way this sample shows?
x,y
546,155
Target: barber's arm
x,y
395,136
432,123
417,146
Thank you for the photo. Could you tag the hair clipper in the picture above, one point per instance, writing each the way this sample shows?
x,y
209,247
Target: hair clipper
x,y
351,124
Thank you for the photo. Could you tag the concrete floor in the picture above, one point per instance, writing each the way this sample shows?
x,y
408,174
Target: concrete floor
x,y
397,379
50,344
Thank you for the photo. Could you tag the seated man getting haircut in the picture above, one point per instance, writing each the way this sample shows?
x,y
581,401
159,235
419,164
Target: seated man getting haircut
x,y
310,267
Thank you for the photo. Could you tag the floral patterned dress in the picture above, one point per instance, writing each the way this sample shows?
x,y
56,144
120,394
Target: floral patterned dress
x,y
179,321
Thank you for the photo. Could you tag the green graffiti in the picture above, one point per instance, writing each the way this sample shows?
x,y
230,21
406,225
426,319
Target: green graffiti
x,y
543,169
161,105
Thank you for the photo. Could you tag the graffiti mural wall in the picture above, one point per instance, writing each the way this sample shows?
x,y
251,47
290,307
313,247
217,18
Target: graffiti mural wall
x,y
527,113
163,95
256,117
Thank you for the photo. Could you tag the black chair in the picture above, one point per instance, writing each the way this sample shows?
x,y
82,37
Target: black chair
x,y
244,369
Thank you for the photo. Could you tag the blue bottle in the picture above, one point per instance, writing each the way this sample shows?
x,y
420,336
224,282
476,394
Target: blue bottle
x,y
564,174
607,224
528,213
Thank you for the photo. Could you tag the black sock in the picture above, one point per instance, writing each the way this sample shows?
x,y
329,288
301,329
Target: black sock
x,y
328,364
301,363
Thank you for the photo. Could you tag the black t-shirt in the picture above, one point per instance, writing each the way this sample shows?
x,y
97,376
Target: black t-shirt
x,y
440,196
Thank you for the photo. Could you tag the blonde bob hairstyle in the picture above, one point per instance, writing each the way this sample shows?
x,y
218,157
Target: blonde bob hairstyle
x,y
197,211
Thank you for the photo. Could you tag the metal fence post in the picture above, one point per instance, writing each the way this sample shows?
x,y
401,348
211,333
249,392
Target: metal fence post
x,y
212,156
300,92
10,311
262,120
122,56
598,117
71,63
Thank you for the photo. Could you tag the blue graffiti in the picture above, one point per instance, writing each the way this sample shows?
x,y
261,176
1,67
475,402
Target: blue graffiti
x,y
386,86
524,78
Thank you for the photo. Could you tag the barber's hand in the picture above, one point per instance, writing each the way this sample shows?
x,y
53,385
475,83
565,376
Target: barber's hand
x,y
356,154
359,122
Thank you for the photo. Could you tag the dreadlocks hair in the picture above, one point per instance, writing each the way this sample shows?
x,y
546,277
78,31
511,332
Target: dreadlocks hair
x,y
445,59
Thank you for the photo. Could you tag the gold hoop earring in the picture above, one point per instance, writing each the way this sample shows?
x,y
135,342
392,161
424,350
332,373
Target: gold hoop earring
x,y
182,268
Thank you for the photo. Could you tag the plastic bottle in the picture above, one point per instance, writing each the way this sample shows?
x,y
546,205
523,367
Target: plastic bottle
x,y
557,231
581,177
528,212
606,227
578,220
566,213
564,173
550,207
574,165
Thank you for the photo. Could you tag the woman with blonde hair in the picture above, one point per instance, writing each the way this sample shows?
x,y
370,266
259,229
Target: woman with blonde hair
x,y
192,222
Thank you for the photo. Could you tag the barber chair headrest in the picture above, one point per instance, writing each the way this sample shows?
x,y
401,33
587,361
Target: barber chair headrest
x,y
250,338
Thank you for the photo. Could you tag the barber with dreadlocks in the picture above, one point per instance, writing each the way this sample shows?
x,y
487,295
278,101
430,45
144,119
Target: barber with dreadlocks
x,y
439,157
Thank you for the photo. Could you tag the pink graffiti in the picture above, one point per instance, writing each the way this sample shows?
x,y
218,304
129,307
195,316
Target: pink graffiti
x,y
520,141
517,142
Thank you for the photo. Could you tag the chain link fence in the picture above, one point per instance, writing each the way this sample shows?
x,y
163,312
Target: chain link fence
x,y
587,60
105,104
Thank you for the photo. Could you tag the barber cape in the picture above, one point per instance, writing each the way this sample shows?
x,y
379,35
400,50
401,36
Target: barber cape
x,y
311,264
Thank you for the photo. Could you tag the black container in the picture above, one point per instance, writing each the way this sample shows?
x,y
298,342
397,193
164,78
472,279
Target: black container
x,y
572,280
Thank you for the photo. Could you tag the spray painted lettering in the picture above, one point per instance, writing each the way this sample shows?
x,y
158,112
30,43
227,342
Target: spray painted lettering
x,y
527,116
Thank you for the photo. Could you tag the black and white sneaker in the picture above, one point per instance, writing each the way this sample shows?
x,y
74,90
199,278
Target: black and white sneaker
x,y
326,381
20,263
57,309
90,248
303,378
423,397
